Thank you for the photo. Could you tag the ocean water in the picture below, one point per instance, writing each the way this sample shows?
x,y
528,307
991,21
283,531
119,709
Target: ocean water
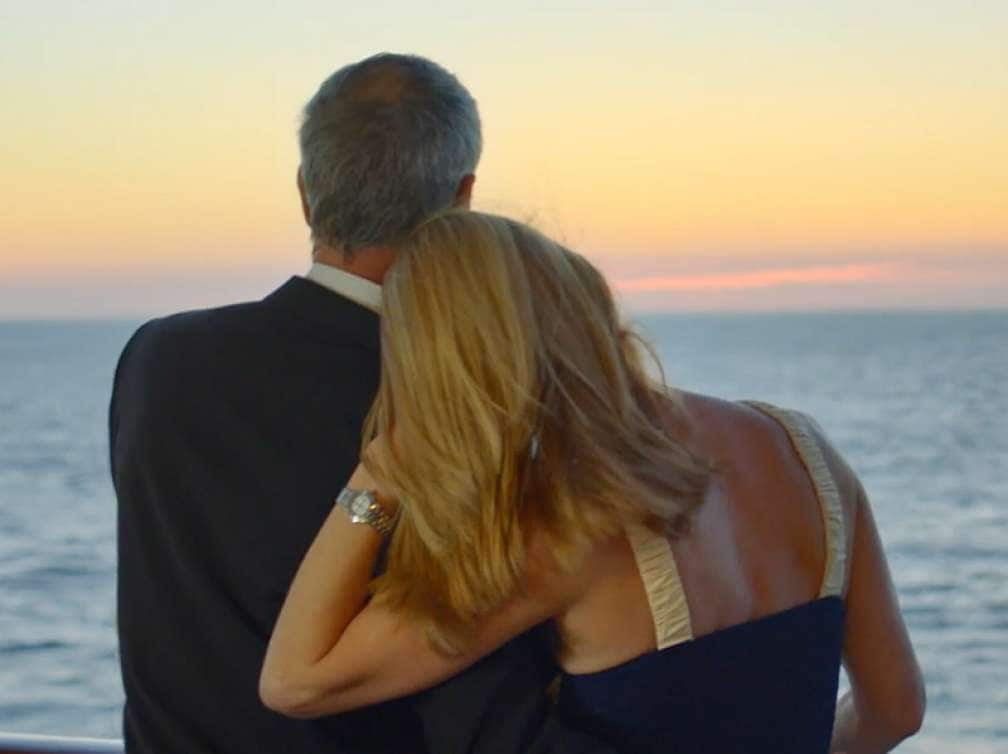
x,y
917,403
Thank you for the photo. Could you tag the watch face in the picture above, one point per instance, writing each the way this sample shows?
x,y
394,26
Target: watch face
x,y
360,505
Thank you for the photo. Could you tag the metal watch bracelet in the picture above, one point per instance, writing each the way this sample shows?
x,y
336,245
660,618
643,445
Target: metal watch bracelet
x,y
363,508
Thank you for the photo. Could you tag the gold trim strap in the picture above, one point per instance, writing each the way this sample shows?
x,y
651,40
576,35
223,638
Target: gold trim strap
x,y
798,428
664,590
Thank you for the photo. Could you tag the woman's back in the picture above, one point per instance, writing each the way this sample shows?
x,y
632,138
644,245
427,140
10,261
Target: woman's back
x,y
756,546
744,612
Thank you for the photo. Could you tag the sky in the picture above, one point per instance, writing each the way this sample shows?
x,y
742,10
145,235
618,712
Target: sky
x,y
706,155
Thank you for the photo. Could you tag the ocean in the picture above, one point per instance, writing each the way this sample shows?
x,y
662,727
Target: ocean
x,y
916,401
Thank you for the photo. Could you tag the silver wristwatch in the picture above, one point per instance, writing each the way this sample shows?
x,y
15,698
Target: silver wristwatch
x,y
364,508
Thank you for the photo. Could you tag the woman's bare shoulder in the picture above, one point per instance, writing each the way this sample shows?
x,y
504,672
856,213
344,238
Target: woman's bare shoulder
x,y
749,442
739,424
733,431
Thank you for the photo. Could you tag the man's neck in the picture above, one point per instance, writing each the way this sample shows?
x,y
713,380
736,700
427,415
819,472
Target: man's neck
x,y
369,262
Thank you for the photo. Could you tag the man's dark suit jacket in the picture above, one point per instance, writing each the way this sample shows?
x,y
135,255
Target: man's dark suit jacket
x,y
232,429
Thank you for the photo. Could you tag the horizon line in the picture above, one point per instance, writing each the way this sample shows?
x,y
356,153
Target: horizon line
x,y
12,319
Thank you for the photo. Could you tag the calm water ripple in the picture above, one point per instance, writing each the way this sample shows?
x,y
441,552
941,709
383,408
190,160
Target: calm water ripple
x,y
917,402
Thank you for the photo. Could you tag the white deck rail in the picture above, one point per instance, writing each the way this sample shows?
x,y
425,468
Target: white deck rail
x,y
24,743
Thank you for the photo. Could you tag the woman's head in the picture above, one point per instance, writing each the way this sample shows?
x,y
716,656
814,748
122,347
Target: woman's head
x,y
518,400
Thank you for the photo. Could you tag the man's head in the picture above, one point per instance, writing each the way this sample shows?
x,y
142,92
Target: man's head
x,y
385,143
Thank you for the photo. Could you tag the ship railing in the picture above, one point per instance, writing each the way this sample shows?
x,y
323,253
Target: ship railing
x,y
26,743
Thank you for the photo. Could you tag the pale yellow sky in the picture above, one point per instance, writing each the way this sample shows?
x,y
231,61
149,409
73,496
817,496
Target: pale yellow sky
x,y
830,154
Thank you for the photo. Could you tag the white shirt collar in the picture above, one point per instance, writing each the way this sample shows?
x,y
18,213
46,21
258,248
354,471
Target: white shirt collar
x,y
359,290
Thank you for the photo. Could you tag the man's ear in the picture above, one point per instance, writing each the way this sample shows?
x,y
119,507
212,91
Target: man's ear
x,y
463,195
305,209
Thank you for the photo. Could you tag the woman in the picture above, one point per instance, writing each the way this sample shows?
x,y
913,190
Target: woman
x,y
704,563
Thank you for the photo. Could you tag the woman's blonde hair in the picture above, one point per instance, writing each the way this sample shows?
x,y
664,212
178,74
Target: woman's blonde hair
x,y
518,402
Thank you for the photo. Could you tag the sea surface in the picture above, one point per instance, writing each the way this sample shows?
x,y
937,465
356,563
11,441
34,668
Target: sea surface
x,y
917,402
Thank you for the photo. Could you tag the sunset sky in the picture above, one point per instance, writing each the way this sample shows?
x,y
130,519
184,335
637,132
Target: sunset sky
x,y
708,155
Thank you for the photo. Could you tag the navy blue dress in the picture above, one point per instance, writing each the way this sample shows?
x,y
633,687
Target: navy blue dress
x,y
765,686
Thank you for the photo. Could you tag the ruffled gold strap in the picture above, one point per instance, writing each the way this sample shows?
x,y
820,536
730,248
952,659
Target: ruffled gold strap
x,y
798,427
664,590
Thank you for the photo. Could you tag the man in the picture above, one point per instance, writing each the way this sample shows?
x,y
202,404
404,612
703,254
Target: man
x,y
232,429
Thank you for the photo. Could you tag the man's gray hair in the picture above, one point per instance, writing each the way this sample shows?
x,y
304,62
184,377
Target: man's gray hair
x,y
385,143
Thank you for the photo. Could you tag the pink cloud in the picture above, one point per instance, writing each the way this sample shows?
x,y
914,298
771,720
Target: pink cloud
x,y
845,273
